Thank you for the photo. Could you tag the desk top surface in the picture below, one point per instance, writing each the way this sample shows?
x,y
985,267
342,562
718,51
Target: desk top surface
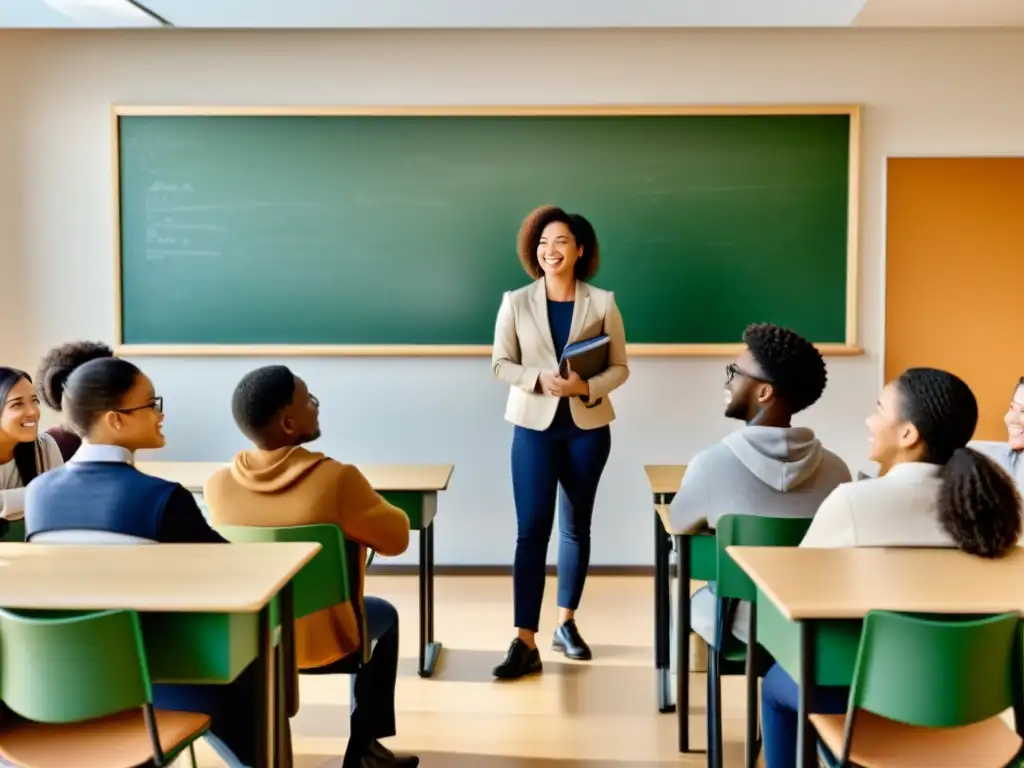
x,y
810,583
422,478
162,578
665,478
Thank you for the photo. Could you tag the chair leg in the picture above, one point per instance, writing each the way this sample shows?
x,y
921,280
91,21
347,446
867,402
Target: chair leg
x,y
719,759
192,754
714,709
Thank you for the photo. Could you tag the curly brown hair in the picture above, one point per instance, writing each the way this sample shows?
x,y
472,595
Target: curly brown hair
x,y
532,228
979,507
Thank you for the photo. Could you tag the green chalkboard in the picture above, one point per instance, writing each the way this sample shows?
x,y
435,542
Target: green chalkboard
x,y
398,230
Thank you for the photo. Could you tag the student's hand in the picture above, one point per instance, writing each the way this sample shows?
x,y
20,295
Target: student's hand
x,y
550,384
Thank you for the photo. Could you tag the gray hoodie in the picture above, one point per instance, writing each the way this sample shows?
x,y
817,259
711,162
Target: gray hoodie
x,y
770,471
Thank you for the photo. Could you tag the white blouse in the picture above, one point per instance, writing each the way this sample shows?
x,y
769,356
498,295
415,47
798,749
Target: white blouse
x,y
900,509
12,487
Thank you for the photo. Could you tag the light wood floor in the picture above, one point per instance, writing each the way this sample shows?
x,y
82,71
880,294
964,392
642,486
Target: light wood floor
x,y
601,714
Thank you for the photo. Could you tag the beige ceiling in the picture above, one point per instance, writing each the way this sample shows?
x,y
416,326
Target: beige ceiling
x,y
498,14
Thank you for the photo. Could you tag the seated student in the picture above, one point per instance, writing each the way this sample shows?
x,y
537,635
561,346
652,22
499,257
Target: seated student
x,y
50,377
280,483
1007,454
934,492
768,467
114,407
24,453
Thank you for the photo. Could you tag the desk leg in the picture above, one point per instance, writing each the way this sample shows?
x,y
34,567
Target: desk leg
x,y
752,711
662,661
287,695
265,685
682,546
806,752
429,650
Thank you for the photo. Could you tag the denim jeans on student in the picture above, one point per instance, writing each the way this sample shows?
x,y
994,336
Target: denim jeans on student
x,y
565,463
780,701
232,707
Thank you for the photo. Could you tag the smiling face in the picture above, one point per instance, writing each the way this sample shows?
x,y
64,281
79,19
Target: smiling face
x,y
893,439
747,388
1014,420
557,250
19,420
136,423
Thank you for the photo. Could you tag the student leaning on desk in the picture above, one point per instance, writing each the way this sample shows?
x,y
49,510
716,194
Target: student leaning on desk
x,y
562,437
934,492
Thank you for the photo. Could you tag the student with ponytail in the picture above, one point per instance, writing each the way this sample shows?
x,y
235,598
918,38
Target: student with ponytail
x,y
51,376
933,491
24,453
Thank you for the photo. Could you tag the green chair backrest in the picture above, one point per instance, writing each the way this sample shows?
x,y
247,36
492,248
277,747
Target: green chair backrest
x,y
751,531
71,666
937,672
324,580
15,531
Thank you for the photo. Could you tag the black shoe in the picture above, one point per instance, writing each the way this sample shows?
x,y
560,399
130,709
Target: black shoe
x,y
389,758
519,662
567,640
375,755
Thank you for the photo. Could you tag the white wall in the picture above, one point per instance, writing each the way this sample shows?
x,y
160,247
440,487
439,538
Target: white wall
x,y
943,93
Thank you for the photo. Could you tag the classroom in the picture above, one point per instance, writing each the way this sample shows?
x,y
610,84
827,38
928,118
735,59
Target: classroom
x,y
930,247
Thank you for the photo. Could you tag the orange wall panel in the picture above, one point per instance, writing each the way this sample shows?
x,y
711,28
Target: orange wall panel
x,y
955,274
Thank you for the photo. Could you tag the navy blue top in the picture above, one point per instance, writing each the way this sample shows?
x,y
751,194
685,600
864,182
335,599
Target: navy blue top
x,y
560,321
113,497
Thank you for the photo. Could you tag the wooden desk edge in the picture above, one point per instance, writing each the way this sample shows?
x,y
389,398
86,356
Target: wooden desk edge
x,y
736,553
312,548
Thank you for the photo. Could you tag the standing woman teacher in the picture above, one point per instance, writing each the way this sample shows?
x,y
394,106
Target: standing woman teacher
x,y
562,439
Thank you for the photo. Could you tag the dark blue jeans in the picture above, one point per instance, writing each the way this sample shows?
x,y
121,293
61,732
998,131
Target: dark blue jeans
x,y
780,701
232,707
563,463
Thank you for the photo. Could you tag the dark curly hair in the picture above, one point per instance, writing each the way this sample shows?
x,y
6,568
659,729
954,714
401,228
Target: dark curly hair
x,y
260,397
793,366
57,365
979,507
532,228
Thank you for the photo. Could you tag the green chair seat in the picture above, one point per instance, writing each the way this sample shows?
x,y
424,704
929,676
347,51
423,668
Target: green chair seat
x,y
79,685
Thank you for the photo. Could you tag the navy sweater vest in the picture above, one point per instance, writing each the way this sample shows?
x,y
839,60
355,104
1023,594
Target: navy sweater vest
x,y
97,496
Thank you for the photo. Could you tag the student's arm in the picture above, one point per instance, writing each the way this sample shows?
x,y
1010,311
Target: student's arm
x,y
183,522
52,457
367,518
832,525
12,504
689,510
615,375
506,355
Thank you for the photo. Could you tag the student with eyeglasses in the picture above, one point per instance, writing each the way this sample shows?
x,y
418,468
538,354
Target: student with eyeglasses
x,y
768,467
116,410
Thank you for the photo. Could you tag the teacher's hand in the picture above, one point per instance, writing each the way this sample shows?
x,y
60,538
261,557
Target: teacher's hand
x,y
556,386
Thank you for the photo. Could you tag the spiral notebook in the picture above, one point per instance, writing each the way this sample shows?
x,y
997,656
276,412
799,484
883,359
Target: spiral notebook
x,y
588,357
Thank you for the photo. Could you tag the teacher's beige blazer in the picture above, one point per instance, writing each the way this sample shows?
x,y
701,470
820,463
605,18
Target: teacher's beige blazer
x,y
523,349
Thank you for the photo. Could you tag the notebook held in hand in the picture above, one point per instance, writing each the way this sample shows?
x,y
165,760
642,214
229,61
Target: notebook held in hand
x,y
588,357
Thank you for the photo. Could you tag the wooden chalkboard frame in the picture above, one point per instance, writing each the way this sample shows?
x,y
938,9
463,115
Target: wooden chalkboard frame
x,y
849,348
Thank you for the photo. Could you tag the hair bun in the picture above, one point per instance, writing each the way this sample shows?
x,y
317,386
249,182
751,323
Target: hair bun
x,y
53,385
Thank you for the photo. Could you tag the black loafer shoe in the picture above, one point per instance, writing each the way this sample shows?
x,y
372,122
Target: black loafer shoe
x,y
519,662
567,640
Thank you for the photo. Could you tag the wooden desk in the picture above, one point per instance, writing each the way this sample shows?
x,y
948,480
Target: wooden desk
x,y
163,579
811,603
411,488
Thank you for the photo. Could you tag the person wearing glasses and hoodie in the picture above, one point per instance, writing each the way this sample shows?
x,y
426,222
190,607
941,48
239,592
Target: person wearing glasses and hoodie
x,y
768,467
